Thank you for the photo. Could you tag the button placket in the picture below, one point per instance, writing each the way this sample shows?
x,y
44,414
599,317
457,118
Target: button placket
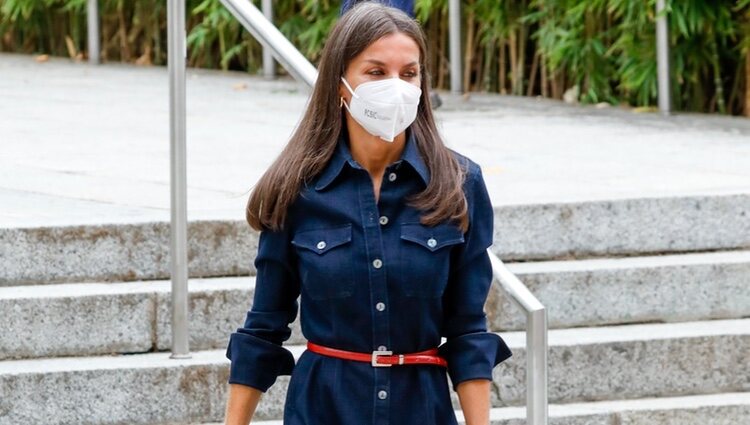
x,y
374,243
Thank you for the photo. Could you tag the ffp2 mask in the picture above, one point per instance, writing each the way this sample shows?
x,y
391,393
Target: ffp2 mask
x,y
384,107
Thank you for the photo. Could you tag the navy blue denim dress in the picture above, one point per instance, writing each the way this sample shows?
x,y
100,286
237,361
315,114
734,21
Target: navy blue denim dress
x,y
370,277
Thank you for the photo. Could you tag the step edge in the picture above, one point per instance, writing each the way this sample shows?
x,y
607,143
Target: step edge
x,y
515,340
686,259
144,287
603,407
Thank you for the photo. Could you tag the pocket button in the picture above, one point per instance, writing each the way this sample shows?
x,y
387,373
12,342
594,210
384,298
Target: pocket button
x,y
325,256
423,259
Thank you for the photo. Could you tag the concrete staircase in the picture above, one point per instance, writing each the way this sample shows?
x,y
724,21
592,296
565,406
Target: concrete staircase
x,y
648,301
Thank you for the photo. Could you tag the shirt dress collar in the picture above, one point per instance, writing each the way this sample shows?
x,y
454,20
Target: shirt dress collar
x,y
343,155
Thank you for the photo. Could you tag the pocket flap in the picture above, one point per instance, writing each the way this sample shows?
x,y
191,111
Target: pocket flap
x,y
321,241
432,238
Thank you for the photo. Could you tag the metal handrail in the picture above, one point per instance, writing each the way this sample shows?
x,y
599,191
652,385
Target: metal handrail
x,y
92,28
537,348
454,41
269,66
271,38
178,251
662,54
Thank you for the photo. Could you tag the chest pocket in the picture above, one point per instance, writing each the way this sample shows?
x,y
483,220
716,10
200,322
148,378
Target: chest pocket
x,y
424,253
326,261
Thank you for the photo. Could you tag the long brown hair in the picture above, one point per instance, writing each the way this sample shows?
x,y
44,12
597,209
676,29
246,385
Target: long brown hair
x,y
313,142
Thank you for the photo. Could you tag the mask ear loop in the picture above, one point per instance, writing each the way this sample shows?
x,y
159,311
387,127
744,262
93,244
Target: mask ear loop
x,y
346,83
342,102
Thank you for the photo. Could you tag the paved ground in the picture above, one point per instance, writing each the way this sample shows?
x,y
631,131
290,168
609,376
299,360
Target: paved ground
x,y
90,144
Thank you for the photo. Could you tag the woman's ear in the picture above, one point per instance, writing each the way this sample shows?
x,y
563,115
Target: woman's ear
x,y
343,93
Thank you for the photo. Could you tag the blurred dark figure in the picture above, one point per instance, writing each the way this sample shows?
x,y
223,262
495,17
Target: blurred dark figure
x,y
405,5
408,7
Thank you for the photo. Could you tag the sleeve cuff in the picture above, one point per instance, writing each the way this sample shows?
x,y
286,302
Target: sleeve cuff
x,y
257,362
473,356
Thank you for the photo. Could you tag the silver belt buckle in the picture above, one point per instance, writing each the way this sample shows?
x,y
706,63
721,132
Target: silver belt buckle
x,y
375,355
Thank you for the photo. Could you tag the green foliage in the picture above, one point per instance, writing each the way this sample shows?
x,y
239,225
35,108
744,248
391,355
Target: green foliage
x,y
307,24
605,48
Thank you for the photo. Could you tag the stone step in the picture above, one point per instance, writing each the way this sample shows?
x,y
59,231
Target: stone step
x,y
543,231
585,364
80,319
121,252
131,317
664,288
634,361
713,409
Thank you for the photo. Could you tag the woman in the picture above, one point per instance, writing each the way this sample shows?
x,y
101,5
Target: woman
x,y
383,232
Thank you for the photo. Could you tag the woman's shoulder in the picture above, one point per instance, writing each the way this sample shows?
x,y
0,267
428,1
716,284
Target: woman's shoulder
x,y
470,167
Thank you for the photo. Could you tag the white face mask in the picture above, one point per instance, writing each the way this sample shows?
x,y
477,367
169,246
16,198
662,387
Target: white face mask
x,y
385,107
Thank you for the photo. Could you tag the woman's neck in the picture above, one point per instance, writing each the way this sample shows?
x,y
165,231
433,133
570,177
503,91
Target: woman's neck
x,y
372,152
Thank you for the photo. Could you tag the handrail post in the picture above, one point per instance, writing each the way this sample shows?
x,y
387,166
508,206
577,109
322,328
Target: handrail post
x,y
177,53
269,66
92,28
454,28
537,348
662,54
536,367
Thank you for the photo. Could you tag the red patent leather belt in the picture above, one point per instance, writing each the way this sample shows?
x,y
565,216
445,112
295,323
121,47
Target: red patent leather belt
x,y
382,358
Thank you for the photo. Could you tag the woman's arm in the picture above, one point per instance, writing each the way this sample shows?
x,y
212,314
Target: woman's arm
x,y
256,348
241,404
471,351
474,396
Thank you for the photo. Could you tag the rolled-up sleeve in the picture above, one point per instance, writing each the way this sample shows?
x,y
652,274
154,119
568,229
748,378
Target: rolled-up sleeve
x,y
255,350
471,351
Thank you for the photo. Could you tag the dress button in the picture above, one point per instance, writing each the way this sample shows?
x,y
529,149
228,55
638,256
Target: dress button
x,y
431,242
383,220
321,244
382,394
392,177
382,348
377,263
380,306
